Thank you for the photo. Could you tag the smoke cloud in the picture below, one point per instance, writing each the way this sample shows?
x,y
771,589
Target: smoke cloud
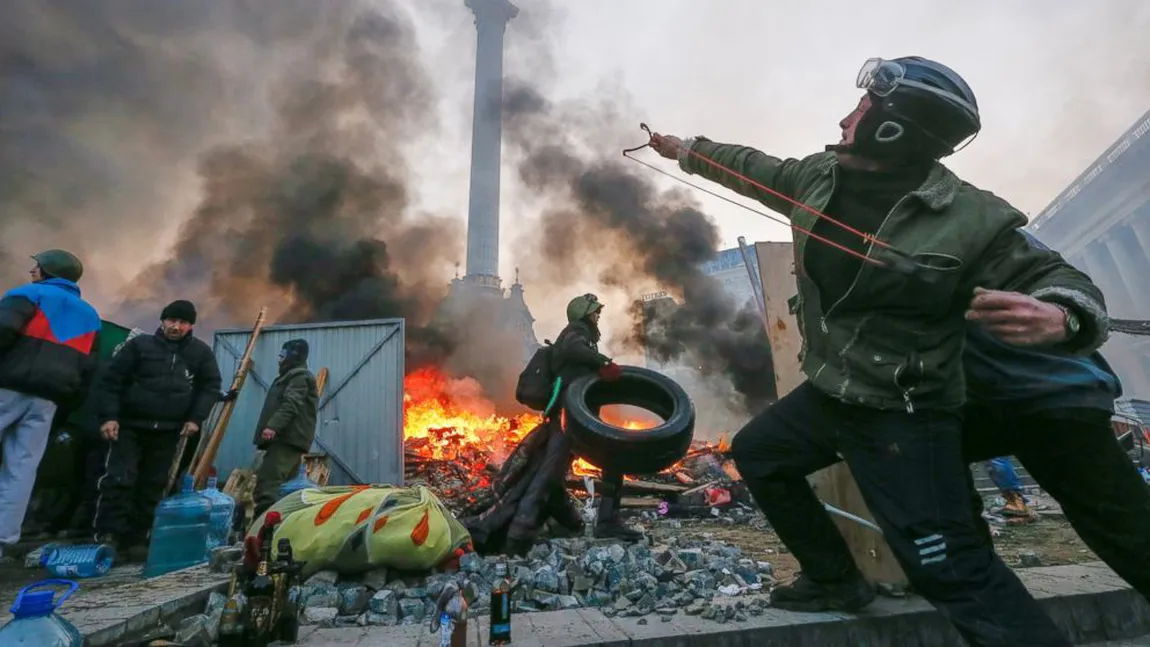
x,y
242,155
277,138
314,219
601,217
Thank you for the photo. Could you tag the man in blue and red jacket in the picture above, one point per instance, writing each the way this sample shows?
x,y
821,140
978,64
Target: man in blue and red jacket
x,y
47,359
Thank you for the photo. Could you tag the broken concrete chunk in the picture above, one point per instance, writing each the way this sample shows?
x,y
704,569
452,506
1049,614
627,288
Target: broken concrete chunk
x,y
322,616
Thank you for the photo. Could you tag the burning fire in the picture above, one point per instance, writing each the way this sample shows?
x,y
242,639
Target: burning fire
x,y
455,418
447,419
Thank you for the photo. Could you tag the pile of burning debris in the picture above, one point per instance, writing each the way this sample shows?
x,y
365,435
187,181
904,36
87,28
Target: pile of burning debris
x,y
455,446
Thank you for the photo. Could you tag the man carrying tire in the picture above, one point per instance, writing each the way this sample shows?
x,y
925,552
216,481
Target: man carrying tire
x,y
883,339
577,354
531,486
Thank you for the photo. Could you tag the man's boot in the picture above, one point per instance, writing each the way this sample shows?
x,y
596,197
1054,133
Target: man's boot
x,y
566,517
806,595
609,525
1015,506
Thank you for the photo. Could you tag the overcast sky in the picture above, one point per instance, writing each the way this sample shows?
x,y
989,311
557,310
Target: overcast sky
x,y
1057,81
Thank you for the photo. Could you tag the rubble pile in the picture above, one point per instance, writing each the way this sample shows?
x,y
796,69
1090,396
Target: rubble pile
x,y
683,576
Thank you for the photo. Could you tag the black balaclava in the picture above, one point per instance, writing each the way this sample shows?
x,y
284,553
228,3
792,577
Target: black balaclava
x,y
294,352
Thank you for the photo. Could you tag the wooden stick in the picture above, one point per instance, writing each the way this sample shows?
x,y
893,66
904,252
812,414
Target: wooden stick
x,y
174,470
639,502
213,445
698,488
633,487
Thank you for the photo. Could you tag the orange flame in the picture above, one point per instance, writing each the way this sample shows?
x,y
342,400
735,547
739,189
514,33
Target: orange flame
x,y
455,419
449,419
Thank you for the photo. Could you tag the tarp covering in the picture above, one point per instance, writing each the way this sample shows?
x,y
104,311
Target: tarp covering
x,y
356,528
109,340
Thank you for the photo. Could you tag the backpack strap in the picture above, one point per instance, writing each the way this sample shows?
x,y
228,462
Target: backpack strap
x,y
554,396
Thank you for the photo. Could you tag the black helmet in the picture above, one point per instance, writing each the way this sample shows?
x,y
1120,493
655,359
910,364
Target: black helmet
x,y
923,95
59,264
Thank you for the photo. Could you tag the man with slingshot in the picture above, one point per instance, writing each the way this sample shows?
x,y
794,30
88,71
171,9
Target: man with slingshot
x,y
894,254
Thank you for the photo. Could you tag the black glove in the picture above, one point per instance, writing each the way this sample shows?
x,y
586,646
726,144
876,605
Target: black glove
x,y
230,396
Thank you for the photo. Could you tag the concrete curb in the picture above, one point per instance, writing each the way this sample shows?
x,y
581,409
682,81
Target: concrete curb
x,y
107,616
1089,602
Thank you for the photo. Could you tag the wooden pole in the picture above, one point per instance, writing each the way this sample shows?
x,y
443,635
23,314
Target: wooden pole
x,y
213,444
321,382
835,484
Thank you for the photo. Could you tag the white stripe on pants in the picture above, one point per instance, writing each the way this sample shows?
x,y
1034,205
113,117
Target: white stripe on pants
x,y
25,421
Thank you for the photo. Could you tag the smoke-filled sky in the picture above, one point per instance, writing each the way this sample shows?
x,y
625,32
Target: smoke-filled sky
x,y
123,121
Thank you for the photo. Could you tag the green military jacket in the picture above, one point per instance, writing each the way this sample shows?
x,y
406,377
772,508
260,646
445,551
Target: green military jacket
x,y
892,341
290,409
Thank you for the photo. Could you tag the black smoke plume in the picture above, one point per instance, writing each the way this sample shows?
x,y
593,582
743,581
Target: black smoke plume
x,y
303,202
603,215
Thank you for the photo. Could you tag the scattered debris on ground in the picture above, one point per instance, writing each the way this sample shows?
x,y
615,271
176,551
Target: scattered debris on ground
x,y
628,580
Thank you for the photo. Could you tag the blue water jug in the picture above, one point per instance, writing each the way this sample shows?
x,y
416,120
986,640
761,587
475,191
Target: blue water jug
x,y
300,482
35,622
89,560
223,507
180,531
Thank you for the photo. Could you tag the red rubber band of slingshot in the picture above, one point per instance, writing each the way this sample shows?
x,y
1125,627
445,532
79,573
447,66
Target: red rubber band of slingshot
x,y
865,236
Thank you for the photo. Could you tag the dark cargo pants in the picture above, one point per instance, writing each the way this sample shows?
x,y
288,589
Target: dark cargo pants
x,y
279,465
1075,457
911,472
136,472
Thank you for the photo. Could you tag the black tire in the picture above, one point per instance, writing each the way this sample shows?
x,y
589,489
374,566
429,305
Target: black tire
x,y
629,451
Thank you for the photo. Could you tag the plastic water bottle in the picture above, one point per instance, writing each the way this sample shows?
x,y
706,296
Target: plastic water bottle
x,y
90,560
300,482
35,622
223,508
180,531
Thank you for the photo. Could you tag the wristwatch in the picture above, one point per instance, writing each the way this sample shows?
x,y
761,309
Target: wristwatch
x,y
1071,321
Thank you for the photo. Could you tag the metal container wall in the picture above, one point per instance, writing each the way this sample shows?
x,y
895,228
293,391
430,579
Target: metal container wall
x,y
360,421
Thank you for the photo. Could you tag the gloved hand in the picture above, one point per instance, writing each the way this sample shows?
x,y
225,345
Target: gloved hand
x,y
229,396
610,372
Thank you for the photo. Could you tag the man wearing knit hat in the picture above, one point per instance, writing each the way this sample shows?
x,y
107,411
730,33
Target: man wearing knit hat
x,y
157,388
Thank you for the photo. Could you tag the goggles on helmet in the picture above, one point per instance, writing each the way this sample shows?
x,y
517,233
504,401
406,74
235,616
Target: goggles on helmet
x,y
882,77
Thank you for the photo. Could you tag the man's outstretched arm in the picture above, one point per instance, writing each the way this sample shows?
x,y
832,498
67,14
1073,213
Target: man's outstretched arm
x,y
711,160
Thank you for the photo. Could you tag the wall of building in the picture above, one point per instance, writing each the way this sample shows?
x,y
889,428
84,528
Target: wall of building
x,y
1101,224
360,417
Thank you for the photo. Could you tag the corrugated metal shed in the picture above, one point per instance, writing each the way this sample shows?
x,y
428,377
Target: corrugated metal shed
x,y
360,421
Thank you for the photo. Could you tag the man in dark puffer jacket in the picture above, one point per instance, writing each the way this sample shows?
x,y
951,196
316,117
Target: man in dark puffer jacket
x,y
157,388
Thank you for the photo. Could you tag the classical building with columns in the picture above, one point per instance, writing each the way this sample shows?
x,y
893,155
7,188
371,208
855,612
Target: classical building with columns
x,y
1101,224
